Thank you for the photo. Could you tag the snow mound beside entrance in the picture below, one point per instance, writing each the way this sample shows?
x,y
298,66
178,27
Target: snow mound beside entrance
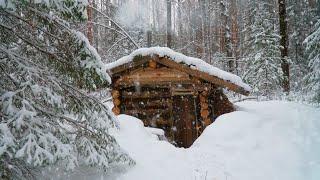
x,y
263,140
270,140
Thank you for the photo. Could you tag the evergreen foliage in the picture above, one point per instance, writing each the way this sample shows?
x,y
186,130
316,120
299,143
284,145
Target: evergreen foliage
x,y
301,19
262,71
46,68
313,53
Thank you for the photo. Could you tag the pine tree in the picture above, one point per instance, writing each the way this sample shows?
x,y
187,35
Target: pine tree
x,y
313,53
262,53
46,68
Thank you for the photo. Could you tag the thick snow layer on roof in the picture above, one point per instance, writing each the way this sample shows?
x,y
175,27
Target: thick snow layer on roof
x,y
194,63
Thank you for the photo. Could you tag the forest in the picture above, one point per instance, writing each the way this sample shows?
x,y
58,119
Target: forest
x,y
56,118
271,44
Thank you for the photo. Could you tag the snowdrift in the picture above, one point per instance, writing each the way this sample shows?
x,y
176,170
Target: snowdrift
x,y
261,141
264,140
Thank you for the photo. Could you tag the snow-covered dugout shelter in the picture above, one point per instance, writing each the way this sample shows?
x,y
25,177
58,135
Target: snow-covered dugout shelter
x,y
168,90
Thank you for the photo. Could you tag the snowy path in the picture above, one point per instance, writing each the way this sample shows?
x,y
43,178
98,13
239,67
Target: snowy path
x,y
262,141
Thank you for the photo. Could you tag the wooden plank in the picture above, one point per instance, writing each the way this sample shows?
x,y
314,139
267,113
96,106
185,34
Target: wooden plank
x,y
148,101
183,93
213,79
150,82
154,76
162,73
183,89
147,76
197,87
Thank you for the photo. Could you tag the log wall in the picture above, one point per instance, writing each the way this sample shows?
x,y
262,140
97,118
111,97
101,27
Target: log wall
x,y
171,99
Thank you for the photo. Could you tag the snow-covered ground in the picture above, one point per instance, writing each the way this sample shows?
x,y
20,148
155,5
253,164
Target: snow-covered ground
x,y
261,141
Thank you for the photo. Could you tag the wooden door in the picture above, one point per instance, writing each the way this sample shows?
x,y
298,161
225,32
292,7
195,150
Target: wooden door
x,y
184,118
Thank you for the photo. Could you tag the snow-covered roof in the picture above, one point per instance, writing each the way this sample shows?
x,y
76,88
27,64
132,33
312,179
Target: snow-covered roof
x,y
194,63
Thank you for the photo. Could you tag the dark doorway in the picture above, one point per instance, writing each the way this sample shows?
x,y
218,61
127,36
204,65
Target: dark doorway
x,y
184,118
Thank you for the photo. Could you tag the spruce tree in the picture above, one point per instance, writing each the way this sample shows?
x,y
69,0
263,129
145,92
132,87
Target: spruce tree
x,y
313,53
301,19
262,54
46,70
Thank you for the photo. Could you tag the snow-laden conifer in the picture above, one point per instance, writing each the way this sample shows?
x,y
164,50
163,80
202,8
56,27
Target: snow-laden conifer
x,y
262,55
313,53
46,69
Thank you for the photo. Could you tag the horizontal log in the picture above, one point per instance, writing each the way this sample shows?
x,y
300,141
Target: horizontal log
x,y
205,76
143,107
162,122
187,84
181,93
155,76
146,111
151,81
160,72
146,94
147,104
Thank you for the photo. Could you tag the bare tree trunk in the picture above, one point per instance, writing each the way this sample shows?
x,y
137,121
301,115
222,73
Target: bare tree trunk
x,y
169,24
235,33
179,22
199,34
96,34
284,44
89,24
226,36
149,38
